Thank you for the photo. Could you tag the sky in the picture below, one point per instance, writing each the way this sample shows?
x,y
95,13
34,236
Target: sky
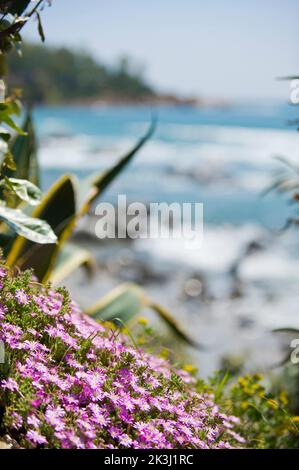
x,y
232,49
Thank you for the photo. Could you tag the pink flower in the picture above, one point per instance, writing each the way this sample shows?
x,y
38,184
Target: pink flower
x,y
87,388
35,437
22,297
33,421
10,384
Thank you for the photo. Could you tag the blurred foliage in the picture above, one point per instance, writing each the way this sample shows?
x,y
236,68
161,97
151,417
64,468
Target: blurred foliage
x,y
53,75
265,419
287,183
15,189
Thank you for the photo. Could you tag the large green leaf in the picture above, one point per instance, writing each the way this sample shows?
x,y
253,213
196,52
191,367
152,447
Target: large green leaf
x,y
123,302
58,209
24,150
127,301
287,330
33,229
69,259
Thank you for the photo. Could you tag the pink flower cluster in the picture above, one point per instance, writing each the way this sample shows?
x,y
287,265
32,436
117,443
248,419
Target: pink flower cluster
x,y
70,382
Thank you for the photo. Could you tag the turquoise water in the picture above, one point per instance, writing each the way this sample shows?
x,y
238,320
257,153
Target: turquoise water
x,y
223,158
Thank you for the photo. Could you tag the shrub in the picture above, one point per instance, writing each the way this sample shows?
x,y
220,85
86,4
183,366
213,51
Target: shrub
x,y
264,418
69,382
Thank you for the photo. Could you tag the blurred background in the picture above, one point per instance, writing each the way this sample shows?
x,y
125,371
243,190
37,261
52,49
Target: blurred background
x,y
209,70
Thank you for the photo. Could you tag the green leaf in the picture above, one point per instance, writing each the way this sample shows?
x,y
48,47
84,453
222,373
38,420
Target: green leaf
x,y
171,322
8,161
291,331
58,209
126,301
69,259
7,119
24,150
290,77
40,27
25,190
4,134
123,302
35,230
221,385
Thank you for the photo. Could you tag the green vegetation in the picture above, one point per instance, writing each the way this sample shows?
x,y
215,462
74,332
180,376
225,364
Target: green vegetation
x,y
38,323
50,75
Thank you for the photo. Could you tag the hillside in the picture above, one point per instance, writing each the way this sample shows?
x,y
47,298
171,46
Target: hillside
x,y
59,75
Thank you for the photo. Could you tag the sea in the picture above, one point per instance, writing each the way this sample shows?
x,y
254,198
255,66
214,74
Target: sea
x,y
243,282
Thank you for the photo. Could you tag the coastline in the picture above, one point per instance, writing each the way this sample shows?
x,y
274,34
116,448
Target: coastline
x,y
147,100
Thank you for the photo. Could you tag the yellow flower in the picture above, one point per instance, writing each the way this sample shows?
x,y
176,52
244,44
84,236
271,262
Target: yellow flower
x,y
256,387
245,405
110,325
164,353
295,419
142,321
257,377
141,340
243,382
272,404
190,368
283,397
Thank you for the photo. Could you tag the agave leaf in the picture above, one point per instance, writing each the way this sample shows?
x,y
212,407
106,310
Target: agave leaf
x,y
70,258
33,229
170,321
290,77
95,185
24,150
126,301
25,190
287,330
58,209
291,331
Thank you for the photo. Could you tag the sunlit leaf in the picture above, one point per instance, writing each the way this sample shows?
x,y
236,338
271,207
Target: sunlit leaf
x,y
58,209
36,230
25,190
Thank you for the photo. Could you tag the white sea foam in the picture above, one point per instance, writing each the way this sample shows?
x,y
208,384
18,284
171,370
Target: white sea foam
x,y
221,246
225,155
